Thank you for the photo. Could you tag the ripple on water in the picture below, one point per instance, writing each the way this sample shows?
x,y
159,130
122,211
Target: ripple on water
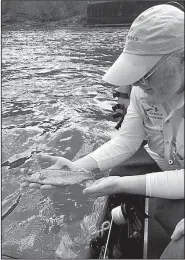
x,y
53,101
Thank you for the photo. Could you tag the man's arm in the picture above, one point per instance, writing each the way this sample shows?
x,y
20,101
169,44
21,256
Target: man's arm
x,y
122,146
167,185
86,162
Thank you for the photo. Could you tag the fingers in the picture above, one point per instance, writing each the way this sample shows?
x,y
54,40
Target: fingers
x,y
95,187
27,184
24,184
93,195
52,182
103,186
35,185
87,191
47,187
31,185
57,161
43,185
33,180
49,158
88,183
95,190
98,181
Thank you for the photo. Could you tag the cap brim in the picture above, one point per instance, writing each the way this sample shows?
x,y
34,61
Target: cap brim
x,y
129,68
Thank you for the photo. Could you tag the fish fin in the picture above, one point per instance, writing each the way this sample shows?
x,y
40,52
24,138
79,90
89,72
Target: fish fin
x,y
34,180
89,183
96,171
65,167
84,170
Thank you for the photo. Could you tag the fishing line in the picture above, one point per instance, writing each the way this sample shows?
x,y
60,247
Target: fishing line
x,y
118,218
104,256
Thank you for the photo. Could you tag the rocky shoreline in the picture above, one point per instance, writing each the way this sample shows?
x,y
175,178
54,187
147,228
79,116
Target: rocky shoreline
x,y
64,13
74,21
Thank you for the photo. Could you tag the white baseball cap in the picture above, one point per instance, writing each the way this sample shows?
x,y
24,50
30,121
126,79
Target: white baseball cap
x,y
157,31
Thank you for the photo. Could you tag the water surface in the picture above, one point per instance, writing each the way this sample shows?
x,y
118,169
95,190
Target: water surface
x,y
53,101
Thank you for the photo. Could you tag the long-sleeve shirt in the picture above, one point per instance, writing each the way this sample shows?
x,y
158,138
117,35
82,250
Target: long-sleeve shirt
x,y
164,132
168,184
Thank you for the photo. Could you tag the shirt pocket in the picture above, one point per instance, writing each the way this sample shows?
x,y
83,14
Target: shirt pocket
x,y
155,139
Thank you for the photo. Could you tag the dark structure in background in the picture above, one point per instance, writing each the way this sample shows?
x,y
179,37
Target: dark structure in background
x,y
117,13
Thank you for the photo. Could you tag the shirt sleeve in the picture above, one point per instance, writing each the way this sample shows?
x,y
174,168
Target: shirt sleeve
x,y
167,185
125,142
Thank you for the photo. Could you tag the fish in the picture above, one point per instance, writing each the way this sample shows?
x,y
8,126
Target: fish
x,y
59,177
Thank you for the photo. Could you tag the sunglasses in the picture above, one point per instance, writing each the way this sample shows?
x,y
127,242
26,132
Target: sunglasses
x,y
144,79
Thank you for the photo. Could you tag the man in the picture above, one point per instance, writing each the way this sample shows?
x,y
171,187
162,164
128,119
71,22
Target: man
x,y
153,63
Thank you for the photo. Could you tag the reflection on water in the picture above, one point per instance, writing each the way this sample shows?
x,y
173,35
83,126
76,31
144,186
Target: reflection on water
x,y
53,101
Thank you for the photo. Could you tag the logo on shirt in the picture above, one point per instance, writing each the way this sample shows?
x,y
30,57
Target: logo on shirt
x,y
151,111
156,109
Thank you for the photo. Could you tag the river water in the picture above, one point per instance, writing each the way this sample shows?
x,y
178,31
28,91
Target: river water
x,y
53,101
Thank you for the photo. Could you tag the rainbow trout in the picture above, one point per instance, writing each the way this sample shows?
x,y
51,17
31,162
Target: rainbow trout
x,y
61,177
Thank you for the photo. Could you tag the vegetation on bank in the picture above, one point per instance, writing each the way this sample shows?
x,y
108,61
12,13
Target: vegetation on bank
x,y
66,12
74,12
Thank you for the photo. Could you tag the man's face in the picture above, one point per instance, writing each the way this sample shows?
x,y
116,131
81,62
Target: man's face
x,y
166,81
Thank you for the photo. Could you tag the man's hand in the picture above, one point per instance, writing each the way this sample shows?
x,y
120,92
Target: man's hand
x,y
103,186
58,163
179,230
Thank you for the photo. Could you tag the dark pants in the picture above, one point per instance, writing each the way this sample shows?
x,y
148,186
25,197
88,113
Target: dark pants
x,y
167,212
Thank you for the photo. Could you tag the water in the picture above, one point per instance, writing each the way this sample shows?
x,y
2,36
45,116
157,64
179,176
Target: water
x,y
53,101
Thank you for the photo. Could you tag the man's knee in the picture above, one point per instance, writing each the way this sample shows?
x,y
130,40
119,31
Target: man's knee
x,y
175,250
